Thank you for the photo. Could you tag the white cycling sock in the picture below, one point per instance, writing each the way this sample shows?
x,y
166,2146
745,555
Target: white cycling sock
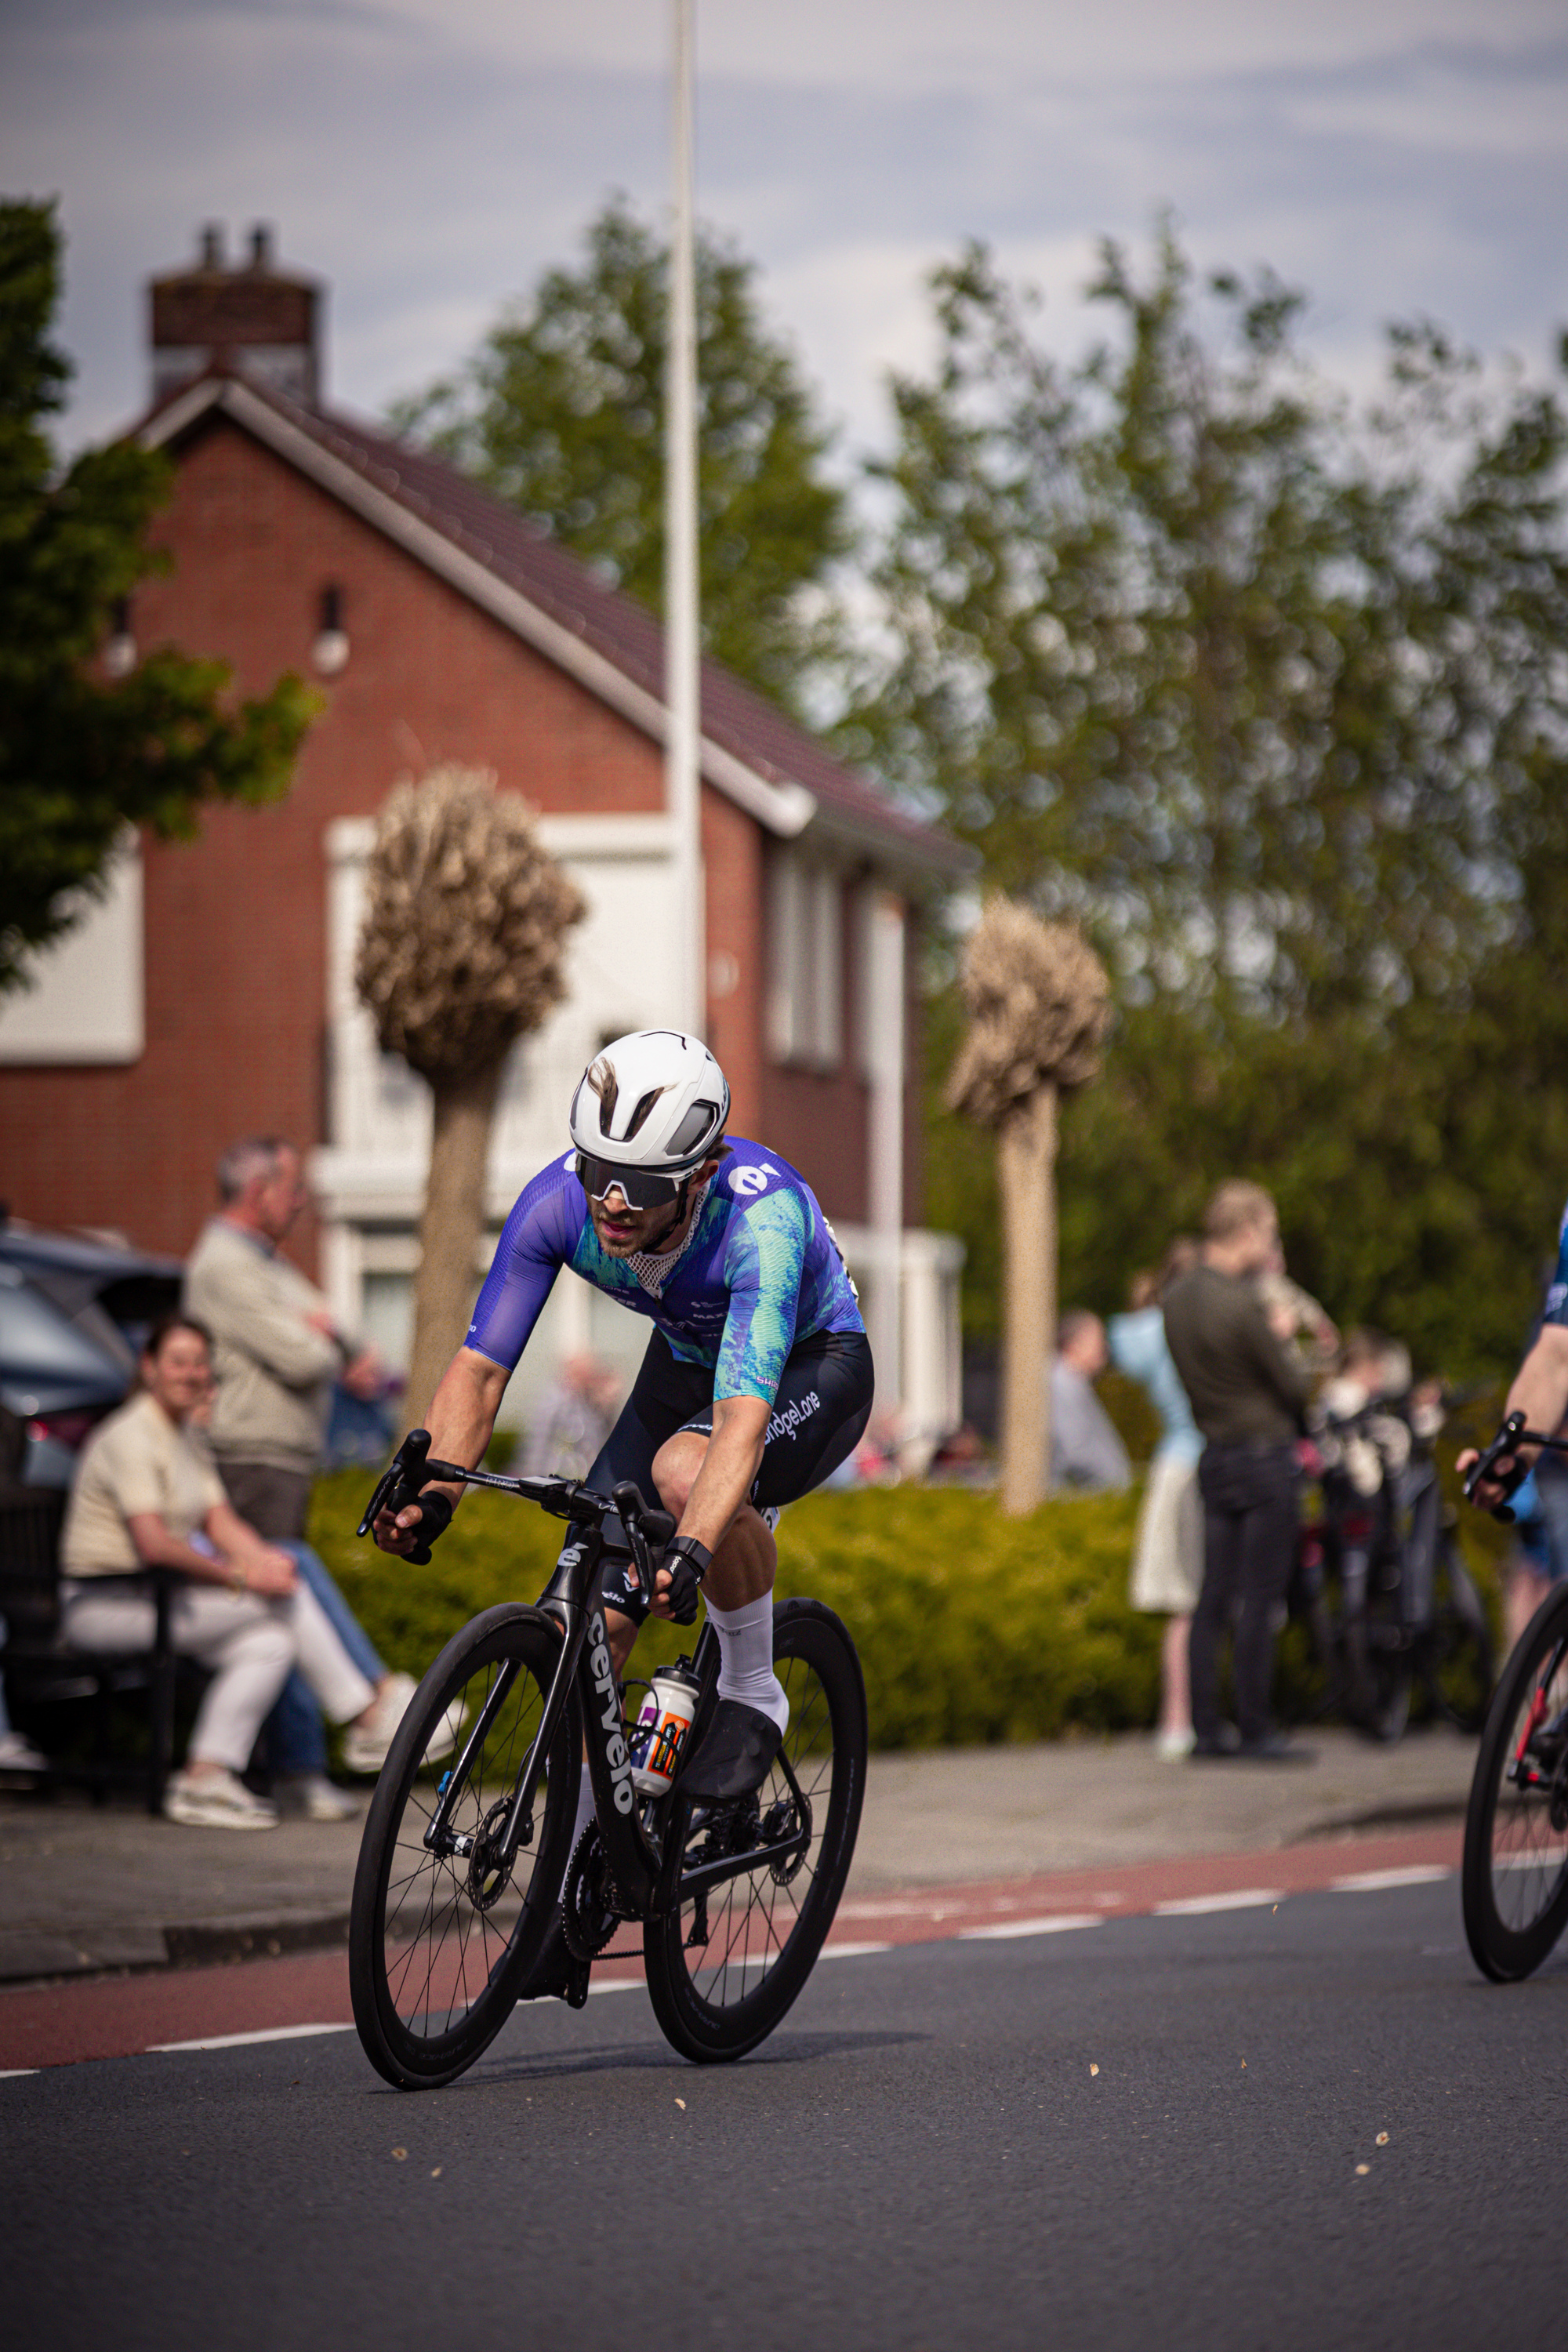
x,y
746,1658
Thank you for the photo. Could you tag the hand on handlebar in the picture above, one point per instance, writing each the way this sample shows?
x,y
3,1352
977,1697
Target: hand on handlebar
x,y
411,1531
680,1580
1490,1478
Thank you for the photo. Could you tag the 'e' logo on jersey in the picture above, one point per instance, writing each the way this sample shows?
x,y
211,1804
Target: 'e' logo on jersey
x,y
749,1181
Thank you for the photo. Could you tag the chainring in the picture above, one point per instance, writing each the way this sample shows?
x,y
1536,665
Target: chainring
x,y
587,1920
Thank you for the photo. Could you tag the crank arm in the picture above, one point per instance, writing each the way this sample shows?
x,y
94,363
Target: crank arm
x,y
735,1866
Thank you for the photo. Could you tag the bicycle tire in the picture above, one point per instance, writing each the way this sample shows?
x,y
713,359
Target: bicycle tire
x,y
699,1992
421,2029
1517,1834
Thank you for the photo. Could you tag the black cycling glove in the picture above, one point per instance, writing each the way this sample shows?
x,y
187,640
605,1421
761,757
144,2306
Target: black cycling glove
x,y
435,1519
688,1562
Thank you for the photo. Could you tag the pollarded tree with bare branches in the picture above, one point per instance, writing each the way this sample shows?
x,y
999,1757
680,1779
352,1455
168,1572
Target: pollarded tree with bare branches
x,y
1038,1004
460,953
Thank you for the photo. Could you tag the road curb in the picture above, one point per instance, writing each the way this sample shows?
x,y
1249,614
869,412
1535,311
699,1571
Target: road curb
x,y
39,1954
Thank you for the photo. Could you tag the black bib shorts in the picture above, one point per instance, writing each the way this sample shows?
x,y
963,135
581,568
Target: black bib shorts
x,y
819,1417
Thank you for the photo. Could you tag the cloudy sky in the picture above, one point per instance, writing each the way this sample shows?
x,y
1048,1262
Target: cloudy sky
x,y
427,157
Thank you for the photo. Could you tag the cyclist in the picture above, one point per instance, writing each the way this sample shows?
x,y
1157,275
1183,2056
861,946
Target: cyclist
x,y
1540,1390
755,1387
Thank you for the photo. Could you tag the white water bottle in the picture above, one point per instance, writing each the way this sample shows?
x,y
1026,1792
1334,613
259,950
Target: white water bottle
x,y
662,1728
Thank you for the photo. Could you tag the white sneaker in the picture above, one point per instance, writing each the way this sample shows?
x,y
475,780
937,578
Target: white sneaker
x,y
215,1800
18,1753
312,1795
366,1743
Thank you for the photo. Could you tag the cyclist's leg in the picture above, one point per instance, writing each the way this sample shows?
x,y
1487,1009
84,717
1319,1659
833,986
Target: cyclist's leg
x,y
820,1411
665,1392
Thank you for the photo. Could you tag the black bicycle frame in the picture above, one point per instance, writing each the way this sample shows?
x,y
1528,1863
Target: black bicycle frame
x,y
644,1842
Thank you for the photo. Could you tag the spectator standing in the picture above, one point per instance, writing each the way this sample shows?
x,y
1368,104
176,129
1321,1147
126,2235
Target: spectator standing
x,y
277,1348
1086,1455
1168,1554
147,1495
1247,1395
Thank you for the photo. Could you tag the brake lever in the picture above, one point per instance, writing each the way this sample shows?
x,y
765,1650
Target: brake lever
x,y
1507,1438
629,1506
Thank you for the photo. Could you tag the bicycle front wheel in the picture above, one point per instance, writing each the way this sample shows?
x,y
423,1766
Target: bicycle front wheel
x,y
440,1941
726,1965
1515,1878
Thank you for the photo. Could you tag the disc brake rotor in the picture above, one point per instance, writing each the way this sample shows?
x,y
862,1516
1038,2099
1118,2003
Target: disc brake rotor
x,y
488,1878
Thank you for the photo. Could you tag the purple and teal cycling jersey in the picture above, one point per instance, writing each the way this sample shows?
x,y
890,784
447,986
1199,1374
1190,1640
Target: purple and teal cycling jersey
x,y
1556,1308
760,1272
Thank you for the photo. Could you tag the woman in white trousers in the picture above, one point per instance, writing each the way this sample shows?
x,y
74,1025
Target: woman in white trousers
x,y
147,1495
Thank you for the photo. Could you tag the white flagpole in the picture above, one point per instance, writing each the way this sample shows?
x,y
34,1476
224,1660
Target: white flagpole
x,y
681,579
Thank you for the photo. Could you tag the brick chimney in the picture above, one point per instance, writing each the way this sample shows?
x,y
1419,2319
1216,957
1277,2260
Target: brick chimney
x,y
252,318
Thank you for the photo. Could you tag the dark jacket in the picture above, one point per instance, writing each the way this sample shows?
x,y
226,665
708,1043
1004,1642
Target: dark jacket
x,y
1245,1388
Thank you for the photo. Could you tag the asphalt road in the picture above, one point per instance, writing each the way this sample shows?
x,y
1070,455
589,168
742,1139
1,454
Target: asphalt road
x,y
1155,2132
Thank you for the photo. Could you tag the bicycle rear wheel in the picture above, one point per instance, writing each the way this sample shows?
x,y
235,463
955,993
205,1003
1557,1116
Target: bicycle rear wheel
x,y
1515,1879
726,1965
439,1944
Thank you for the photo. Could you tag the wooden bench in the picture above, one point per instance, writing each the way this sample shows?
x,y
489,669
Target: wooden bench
x,y
40,1667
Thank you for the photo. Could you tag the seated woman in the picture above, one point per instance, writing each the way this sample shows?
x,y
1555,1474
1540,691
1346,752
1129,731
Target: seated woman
x,y
146,1496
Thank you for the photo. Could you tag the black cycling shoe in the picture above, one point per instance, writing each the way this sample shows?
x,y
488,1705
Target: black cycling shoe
x,y
556,1971
737,1749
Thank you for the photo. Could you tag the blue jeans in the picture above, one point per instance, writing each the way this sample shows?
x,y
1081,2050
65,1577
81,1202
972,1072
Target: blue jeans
x,y
296,1736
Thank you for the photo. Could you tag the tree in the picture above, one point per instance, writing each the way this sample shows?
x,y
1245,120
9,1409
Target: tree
x,y
1038,1007
1273,698
82,756
460,953
561,411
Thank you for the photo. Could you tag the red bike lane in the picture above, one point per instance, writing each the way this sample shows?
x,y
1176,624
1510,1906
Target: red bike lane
x,y
66,2024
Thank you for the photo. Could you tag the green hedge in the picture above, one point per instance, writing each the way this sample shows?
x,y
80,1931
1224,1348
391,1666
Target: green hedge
x,y
970,1627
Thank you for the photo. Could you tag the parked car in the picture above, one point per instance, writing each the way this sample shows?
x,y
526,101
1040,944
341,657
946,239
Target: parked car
x,y
74,1311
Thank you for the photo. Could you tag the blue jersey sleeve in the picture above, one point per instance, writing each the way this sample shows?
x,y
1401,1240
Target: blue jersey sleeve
x,y
1557,1309
536,1241
764,1260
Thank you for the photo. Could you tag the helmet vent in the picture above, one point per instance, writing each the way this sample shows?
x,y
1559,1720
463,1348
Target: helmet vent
x,y
694,1129
606,1085
639,1116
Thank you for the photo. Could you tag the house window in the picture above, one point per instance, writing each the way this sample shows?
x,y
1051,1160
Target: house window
x,y
805,982
83,1002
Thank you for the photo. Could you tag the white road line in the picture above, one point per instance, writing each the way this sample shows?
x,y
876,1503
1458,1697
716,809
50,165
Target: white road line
x,y
239,2041
1057,1923
14,2074
1245,1898
851,1951
1373,1882
619,1984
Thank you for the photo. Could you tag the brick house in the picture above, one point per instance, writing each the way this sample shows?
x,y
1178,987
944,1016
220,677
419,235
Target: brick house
x,y
212,994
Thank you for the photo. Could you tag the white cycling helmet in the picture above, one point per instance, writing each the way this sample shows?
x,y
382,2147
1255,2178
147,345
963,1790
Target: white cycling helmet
x,y
651,1108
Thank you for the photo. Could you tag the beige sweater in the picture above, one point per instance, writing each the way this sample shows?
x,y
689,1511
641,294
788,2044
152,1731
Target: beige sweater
x,y
274,1372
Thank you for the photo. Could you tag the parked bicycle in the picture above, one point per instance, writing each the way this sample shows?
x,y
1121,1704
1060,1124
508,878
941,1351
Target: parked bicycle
x,y
1388,1600
464,1864
1514,1881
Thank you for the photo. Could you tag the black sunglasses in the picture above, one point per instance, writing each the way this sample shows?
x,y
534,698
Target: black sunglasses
x,y
641,1188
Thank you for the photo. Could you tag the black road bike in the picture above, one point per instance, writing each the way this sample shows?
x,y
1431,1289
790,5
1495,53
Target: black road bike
x,y
467,1856
1515,1877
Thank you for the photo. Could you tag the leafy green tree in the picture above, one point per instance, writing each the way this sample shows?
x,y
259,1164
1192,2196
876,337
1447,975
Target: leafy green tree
x,y
82,756
561,411
1275,699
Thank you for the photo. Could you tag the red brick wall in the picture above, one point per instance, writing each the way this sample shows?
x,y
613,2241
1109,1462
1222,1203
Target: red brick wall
x,y
732,859
236,924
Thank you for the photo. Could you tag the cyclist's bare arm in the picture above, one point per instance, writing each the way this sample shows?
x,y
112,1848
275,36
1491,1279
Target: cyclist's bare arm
x,y
1540,1391
732,1457
461,1422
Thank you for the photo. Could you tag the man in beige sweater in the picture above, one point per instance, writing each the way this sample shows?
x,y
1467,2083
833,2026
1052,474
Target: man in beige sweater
x,y
277,1348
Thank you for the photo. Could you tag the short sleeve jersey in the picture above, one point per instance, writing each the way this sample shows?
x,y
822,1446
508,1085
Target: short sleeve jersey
x,y
760,1272
1556,1309
138,1460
